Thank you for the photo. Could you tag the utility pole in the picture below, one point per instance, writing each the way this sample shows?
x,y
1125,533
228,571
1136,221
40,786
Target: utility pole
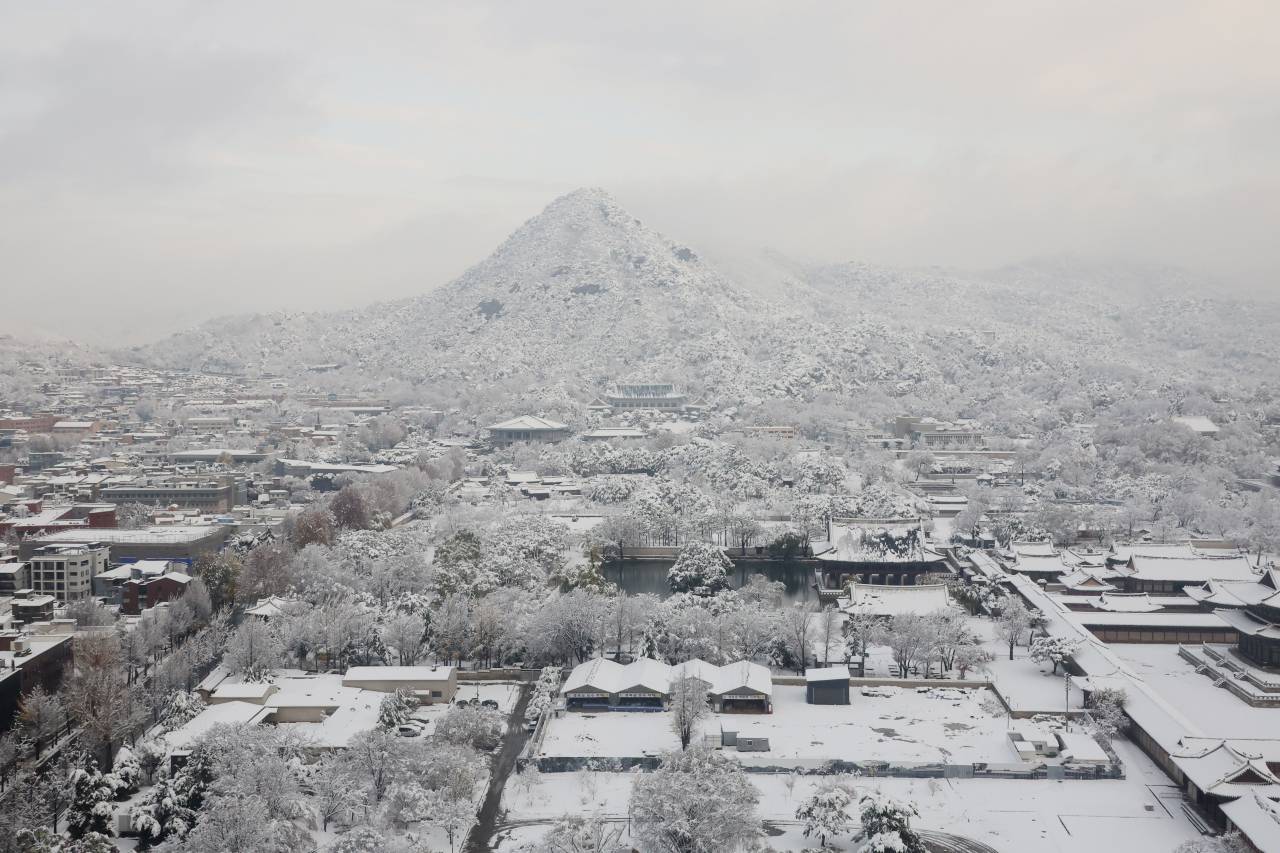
x,y
1067,702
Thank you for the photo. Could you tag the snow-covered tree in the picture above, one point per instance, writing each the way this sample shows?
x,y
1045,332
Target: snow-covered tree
x,y
254,650
42,715
1052,649
578,834
1106,707
797,632
886,825
972,657
697,801
862,631
334,791
700,569
1231,842
91,803
180,708
826,813
406,633
473,725
397,708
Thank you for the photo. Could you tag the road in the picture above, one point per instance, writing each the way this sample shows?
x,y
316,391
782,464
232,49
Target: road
x,y
503,763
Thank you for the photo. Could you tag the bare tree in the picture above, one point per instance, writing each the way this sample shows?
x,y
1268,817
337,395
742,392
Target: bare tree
x,y
1013,621
688,706
98,693
797,631
911,639
405,632
334,789
862,631
42,715
827,625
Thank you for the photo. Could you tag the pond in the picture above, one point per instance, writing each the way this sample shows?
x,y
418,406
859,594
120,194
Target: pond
x,y
640,576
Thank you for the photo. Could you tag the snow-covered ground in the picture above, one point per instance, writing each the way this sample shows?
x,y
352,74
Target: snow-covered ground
x,y
1215,710
1139,814
906,727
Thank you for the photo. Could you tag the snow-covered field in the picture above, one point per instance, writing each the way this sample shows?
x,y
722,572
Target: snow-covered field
x,y
1139,814
908,727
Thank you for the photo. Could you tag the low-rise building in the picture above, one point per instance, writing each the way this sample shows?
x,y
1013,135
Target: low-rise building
x,y
431,684
631,396
934,433
527,428
787,432
14,575
137,595
827,685
212,495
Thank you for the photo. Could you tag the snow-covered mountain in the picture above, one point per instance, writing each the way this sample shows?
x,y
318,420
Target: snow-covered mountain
x,y
584,293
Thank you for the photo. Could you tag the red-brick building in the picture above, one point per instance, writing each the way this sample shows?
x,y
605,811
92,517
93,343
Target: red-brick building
x,y
138,595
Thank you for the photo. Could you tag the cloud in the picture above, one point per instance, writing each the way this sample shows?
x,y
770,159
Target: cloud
x,y
248,155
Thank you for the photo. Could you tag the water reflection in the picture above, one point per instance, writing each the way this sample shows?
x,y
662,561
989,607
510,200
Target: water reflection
x,y
640,576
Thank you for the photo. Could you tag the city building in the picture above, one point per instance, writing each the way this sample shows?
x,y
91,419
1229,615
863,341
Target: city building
x,y
66,571
217,495
139,594
79,429
182,543
14,575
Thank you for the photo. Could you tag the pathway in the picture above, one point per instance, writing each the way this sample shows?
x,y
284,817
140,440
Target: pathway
x,y
503,763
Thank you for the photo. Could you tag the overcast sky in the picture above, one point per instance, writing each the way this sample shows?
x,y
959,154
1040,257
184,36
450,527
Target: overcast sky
x,y
161,163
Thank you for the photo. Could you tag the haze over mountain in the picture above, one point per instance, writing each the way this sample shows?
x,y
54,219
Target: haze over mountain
x,y
584,293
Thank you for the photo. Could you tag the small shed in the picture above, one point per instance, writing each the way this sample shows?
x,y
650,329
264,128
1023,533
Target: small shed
x,y
748,741
827,685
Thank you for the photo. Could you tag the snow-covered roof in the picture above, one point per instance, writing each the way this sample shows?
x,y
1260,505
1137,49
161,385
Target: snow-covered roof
x,y
1264,590
528,422
267,607
1088,580
248,691
406,674
894,600
875,540
1155,620
1258,818
606,676
1247,623
1225,768
826,673
1199,423
1121,602
1195,570
358,714
1033,549
229,713
311,691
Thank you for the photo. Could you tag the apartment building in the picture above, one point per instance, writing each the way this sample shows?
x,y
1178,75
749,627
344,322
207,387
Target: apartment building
x,y
66,571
